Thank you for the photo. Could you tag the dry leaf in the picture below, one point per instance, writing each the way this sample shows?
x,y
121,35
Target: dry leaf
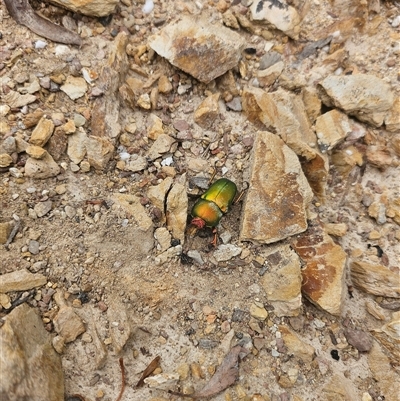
x,y
154,364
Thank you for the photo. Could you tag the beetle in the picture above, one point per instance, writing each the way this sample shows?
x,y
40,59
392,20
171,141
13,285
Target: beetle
x,y
212,205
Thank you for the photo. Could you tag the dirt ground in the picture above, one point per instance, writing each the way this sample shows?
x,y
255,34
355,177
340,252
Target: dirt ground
x,y
180,311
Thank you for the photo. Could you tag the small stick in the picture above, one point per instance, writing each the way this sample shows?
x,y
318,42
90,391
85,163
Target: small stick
x,y
12,234
121,365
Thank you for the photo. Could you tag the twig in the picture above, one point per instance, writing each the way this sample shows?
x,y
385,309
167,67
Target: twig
x,y
121,365
13,233
23,14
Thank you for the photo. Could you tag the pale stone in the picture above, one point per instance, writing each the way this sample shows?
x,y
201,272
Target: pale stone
x,y
296,346
105,121
279,14
268,76
144,101
41,168
282,281
226,252
5,230
155,127
177,206
323,275
375,279
339,388
21,280
99,151
336,229
157,195
163,381
367,97
331,128
199,48
30,368
120,326
42,132
389,336
136,164
77,143
68,324
164,85
392,119
384,373
278,194
258,312
93,8
74,87
161,145
5,160
312,103
163,237
207,111
141,240
36,152
15,100
42,208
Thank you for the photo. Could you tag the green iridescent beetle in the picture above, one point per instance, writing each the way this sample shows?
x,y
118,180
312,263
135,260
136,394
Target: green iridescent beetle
x,y
212,205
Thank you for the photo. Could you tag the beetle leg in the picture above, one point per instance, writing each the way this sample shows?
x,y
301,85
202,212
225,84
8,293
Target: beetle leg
x,y
215,238
240,196
214,174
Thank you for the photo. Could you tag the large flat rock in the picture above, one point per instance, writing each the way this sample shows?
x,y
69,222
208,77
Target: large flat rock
x,y
278,193
203,50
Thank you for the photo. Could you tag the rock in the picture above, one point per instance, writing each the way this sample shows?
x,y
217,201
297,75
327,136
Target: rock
x,y
158,193
201,49
392,119
164,85
155,127
282,281
177,209
141,225
365,96
162,381
339,388
15,100
278,14
41,168
226,252
359,339
374,309
99,151
42,132
5,160
77,144
258,312
21,280
389,336
162,145
163,237
346,159
144,101
207,112
36,152
296,346
74,87
269,60
383,373
171,253
324,273
30,368
379,156
9,145
375,279
42,208
93,8
312,103
57,144
120,324
336,229
105,121
269,75
136,163
5,231
278,194
331,128
67,323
